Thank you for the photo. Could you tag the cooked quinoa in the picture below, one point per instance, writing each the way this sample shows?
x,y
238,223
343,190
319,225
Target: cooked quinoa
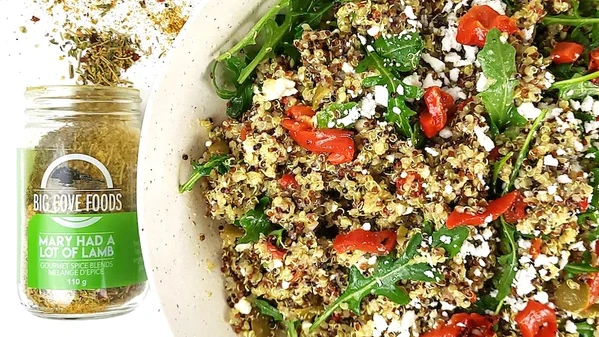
x,y
393,183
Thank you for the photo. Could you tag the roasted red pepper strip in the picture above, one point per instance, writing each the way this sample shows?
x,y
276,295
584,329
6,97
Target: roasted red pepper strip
x,y
339,143
593,283
293,125
434,117
566,52
462,325
495,209
583,205
380,243
288,181
537,320
474,26
298,111
594,60
517,212
535,247
412,183
276,253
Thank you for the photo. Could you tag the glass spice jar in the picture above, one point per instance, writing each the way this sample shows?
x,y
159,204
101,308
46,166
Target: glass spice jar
x,y
79,249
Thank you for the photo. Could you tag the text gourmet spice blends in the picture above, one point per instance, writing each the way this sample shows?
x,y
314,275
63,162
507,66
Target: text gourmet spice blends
x,y
409,168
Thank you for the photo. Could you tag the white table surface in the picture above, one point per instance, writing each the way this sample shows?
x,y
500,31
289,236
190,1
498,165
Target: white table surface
x,y
23,64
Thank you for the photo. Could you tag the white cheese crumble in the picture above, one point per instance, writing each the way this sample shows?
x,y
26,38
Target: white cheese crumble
x,y
381,95
484,140
435,63
523,280
366,226
380,325
456,93
564,179
409,11
482,84
498,5
551,189
445,133
374,30
430,82
413,79
570,327
541,297
352,115
368,108
243,306
529,111
431,151
402,327
243,247
448,190
277,89
454,74
347,68
587,104
446,239
550,161
285,284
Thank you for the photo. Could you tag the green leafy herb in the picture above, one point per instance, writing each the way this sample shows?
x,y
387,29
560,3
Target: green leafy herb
x,y
508,262
240,95
498,61
220,162
497,168
585,329
450,239
267,309
398,111
577,87
593,235
567,70
574,19
402,51
524,151
278,234
255,223
383,281
329,116
580,268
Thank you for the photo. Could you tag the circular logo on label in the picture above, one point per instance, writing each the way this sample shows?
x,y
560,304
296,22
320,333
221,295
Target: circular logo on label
x,y
76,222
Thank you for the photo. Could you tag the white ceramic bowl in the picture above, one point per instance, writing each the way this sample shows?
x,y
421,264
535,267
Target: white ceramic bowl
x,y
184,271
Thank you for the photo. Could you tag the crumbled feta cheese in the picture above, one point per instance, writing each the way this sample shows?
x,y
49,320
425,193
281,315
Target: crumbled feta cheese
x,y
456,93
243,247
369,48
498,5
402,328
347,68
528,32
551,189
549,79
469,249
523,280
366,226
243,306
431,151
277,264
372,260
429,81
564,179
550,161
575,104
437,65
276,89
596,109
400,90
351,116
482,84
413,79
578,146
570,327
448,190
591,126
445,133
587,104
447,306
529,111
483,139
429,273
543,260
454,74
541,297
362,39
285,284
380,325
374,30
409,11
446,239
381,95
368,106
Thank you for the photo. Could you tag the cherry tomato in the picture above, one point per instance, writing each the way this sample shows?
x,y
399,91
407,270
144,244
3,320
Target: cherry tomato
x,y
517,211
288,181
594,60
298,111
276,253
537,320
465,325
438,105
445,331
535,248
412,183
495,209
593,283
380,243
474,26
566,52
339,143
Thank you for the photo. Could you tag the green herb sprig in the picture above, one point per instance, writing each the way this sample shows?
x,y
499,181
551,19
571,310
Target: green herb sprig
x,y
255,223
267,309
457,235
577,87
220,162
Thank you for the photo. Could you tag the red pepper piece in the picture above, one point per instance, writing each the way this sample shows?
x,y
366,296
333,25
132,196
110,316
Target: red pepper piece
x,y
298,111
412,182
474,26
566,52
463,324
593,283
537,320
339,143
594,60
495,209
494,154
438,105
583,205
288,181
293,125
244,132
517,212
380,243
535,248
276,253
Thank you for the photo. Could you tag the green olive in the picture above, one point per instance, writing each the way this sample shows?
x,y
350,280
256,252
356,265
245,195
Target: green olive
x,y
230,233
219,146
260,326
572,296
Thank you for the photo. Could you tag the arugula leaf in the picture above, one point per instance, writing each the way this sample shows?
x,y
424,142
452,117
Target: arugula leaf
x,y
585,329
574,19
524,151
267,309
580,268
329,116
278,234
593,235
241,97
508,262
577,87
567,70
220,162
255,223
383,281
497,169
456,236
498,61
402,51
398,111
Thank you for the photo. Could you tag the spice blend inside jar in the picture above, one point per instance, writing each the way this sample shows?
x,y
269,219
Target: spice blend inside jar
x,y
80,254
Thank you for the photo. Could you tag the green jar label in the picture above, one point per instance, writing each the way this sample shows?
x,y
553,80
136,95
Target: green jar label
x,y
84,251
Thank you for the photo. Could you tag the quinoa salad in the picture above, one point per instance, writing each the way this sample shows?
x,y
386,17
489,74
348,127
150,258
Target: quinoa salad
x,y
409,168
